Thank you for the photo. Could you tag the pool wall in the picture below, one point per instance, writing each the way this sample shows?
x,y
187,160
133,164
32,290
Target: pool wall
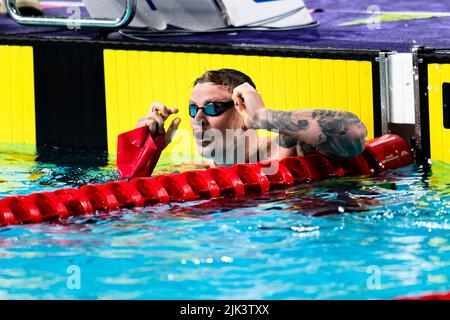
x,y
80,94
432,68
17,101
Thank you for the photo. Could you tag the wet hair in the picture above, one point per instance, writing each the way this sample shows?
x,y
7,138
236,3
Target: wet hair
x,y
225,77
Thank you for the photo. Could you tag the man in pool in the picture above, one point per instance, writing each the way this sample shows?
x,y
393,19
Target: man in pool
x,y
226,100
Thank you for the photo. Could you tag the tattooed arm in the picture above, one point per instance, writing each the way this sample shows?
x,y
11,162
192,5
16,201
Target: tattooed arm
x,y
334,133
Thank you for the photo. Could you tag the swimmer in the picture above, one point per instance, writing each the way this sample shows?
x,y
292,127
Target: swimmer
x,y
226,100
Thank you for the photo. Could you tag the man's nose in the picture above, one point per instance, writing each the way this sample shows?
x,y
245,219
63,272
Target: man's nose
x,y
198,123
200,117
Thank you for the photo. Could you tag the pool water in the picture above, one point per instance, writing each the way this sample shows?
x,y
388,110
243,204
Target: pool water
x,y
353,238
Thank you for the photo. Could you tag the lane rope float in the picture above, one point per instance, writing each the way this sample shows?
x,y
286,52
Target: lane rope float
x,y
383,153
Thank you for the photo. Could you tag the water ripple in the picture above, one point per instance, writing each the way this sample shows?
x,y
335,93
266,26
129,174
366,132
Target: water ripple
x,y
319,241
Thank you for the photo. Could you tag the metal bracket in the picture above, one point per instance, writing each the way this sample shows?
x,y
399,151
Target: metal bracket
x,y
128,15
415,50
383,60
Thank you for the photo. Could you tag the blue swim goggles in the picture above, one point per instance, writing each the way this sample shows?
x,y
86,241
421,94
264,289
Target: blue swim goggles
x,y
212,109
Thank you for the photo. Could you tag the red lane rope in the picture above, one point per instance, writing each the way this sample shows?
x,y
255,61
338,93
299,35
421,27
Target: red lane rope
x,y
431,296
387,152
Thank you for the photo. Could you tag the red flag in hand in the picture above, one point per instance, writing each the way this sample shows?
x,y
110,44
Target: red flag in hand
x,y
138,152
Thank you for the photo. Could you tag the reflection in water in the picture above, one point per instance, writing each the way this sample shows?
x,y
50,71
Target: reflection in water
x,y
24,173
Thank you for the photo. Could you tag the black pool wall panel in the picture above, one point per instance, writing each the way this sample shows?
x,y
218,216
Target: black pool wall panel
x,y
70,97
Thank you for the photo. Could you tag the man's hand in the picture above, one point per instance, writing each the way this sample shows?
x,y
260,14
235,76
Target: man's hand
x,y
249,104
155,118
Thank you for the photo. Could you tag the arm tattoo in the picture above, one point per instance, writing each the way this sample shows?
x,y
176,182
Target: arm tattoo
x,y
286,141
307,148
336,126
340,133
335,123
285,121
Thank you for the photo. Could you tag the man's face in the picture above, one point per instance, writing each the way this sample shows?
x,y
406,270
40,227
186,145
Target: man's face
x,y
202,94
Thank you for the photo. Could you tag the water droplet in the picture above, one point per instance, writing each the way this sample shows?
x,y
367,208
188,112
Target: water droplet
x,y
226,259
341,209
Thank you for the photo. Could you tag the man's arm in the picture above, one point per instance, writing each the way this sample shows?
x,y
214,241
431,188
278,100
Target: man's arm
x,y
334,133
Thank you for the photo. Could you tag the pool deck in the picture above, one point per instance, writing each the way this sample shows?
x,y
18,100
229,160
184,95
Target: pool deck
x,y
342,24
